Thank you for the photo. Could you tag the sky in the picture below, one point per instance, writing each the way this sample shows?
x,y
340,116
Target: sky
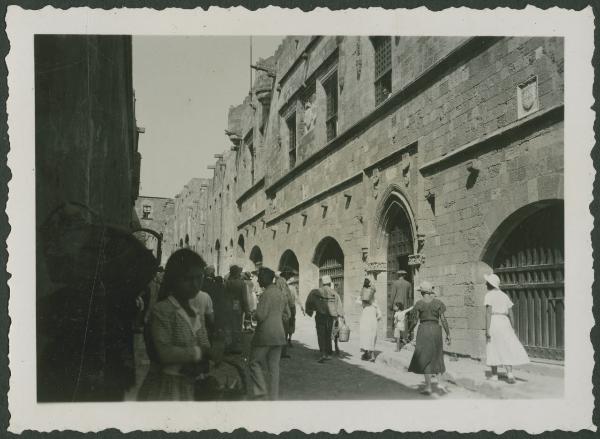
x,y
184,87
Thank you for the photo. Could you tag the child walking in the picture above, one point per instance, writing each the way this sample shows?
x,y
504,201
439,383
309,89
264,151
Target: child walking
x,y
400,333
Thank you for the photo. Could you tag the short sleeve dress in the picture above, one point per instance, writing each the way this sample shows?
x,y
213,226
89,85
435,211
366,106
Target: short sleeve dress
x,y
428,357
503,348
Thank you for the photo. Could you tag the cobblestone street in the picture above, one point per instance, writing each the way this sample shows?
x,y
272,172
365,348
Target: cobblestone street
x,y
347,377
344,378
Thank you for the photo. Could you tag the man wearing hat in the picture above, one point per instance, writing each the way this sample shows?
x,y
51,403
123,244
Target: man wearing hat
x,y
401,289
235,293
327,306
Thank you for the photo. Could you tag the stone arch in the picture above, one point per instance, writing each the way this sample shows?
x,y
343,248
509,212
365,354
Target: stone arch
x,y
288,264
526,251
329,258
394,237
392,198
256,256
503,226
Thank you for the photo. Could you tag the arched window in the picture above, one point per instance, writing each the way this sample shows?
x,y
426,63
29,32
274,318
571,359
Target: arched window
x,y
527,253
256,256
288,265
329,257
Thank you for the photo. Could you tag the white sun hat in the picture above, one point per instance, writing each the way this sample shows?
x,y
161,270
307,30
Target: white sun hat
x,y
492,279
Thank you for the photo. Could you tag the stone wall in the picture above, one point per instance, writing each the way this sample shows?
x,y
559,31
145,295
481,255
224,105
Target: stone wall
x,y
470,135
156,214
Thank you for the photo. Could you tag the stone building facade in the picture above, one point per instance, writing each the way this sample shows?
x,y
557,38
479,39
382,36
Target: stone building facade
x,y
189,215
155,215
441,156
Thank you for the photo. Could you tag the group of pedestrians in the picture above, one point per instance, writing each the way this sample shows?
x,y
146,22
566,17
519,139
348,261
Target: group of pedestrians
x,y
196,318
503,348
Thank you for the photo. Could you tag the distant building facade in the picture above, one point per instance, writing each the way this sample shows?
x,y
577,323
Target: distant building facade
x,y
440,156
189,218
155,217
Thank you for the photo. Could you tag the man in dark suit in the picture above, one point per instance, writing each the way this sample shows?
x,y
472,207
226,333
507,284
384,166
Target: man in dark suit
x,y
401,289
235,293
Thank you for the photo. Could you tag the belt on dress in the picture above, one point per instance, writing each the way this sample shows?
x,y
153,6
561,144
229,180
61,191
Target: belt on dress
x,y
429,320
499,314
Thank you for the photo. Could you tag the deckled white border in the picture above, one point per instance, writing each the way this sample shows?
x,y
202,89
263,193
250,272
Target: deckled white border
x,y
571,413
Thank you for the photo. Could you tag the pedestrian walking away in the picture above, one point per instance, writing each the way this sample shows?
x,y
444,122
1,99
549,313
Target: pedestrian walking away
x,y
428,358
297,304
288,328
401,289
503,348
268,339
176,341
326,304
235,293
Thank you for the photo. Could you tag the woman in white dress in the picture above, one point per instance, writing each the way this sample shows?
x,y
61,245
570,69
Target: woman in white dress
x,y
503,347
368,328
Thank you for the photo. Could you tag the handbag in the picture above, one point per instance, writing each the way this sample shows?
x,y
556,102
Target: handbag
x,y
344,332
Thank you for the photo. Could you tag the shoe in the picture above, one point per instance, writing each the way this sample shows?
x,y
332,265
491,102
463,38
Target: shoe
x,y
511,379
290,343
327,357
493,378
321,360
425,392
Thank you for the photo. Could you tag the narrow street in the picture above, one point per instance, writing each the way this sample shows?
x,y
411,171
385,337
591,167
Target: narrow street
x,y
343,378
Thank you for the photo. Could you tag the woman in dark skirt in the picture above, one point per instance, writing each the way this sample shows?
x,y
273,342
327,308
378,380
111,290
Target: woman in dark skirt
x,y
428,358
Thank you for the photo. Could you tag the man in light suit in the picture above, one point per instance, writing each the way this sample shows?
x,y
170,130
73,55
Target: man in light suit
x,y
269,337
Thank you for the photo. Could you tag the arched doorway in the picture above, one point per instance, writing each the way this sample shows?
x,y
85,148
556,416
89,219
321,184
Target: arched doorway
x,y
394,242
329,257
288,263
528,256
218,251
256,256
399,247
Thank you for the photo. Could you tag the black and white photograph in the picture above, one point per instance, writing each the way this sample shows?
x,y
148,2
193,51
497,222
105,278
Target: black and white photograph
x,y
370,217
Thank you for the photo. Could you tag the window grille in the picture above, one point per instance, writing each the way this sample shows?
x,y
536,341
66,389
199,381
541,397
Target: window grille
x,y
331,95
249,142
383,68
291,125
530,265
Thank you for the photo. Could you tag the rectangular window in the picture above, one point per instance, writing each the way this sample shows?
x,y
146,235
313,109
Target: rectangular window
x,y
249,143
146,211
291,125
264,116
383,68
331,98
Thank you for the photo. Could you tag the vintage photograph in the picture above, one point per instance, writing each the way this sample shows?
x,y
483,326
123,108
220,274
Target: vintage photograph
x,y
276,220
309,217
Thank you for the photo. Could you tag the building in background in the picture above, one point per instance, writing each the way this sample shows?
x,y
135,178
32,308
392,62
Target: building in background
x,y
442,156
155,217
